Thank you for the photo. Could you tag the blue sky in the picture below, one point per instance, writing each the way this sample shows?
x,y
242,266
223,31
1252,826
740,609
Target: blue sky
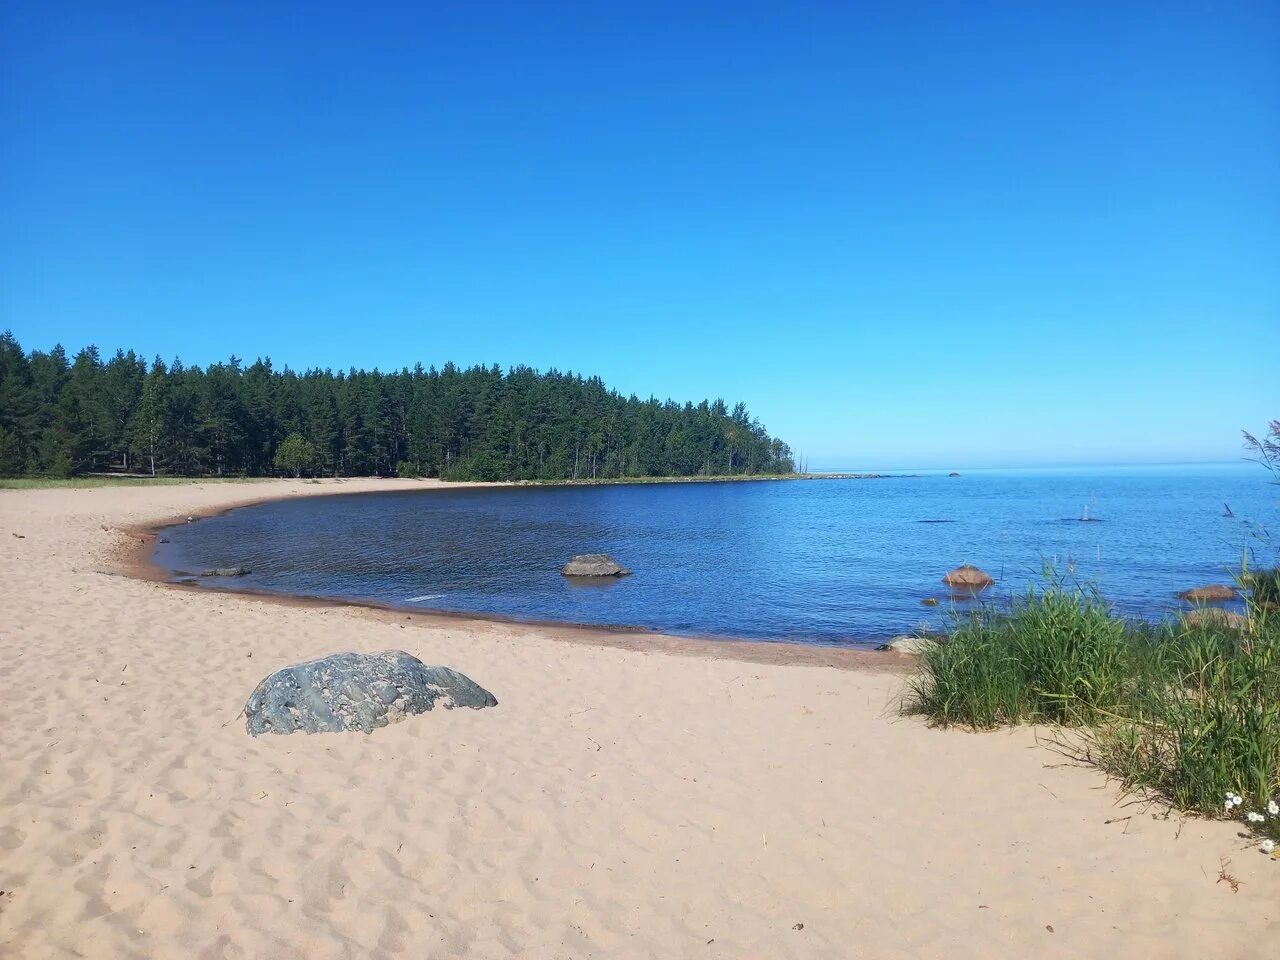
x,y
905,235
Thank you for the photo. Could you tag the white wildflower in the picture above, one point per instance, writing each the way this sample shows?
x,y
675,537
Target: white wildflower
x,y
1273,808
1267,846
1253,817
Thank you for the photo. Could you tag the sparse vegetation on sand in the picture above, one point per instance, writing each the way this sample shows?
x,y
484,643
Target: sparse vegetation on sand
x,y
1184,711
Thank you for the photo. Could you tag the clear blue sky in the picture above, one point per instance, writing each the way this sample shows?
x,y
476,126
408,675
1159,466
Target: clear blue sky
x,y
906,235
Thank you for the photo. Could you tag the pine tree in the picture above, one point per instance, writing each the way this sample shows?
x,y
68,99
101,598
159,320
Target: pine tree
x,y
61,418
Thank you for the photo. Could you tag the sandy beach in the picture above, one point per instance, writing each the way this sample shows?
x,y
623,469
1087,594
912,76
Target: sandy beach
x,y
631,795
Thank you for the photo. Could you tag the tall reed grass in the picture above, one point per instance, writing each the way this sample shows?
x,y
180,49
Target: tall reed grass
x,y
1189,712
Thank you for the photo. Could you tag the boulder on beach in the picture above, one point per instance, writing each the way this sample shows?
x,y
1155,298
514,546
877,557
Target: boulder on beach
x,y
356,691
594,565
1213,593
226,572
967,577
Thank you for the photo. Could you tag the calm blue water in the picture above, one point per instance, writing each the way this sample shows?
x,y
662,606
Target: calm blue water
x,y
832,561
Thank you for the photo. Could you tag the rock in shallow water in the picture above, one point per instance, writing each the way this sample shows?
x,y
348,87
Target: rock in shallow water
x,y
356,691
905,644
594,565
1216,617
227,572
1213,593
968,577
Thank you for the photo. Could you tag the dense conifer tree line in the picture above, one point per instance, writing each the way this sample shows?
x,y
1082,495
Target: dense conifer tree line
x,y
61,416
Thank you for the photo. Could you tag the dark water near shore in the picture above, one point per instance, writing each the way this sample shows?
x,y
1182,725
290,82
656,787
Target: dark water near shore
x,y
831,561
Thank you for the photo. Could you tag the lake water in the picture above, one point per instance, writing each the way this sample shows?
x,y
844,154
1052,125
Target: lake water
x,y
826,561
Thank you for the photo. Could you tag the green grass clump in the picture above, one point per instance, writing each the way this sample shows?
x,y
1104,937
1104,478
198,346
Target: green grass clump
x,y
1187,712
1203,718
1057,658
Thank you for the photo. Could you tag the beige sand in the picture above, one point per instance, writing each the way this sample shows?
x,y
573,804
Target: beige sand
x,y
618,803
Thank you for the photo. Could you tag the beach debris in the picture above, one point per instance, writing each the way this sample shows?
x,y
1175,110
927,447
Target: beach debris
x,y
21,536
227,572
356,691
1213,593
968,577
1224,877
594,565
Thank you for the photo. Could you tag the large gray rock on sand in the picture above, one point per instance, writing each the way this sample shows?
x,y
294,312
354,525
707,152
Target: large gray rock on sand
x,y
356,691
594,565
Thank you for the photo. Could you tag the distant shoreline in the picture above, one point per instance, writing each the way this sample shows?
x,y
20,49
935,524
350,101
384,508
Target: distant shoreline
x,y
91,480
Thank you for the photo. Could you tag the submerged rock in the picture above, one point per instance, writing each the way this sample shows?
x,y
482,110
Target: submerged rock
x,y
929,601
1213,593
968,577
594,565
227,572
356,691
953,474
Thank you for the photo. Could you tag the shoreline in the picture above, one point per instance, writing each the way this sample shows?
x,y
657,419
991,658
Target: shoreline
x,y
615,803
137,560
98,481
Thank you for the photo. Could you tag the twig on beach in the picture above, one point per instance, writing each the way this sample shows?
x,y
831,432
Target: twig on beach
x,y
1117,820
1224,877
